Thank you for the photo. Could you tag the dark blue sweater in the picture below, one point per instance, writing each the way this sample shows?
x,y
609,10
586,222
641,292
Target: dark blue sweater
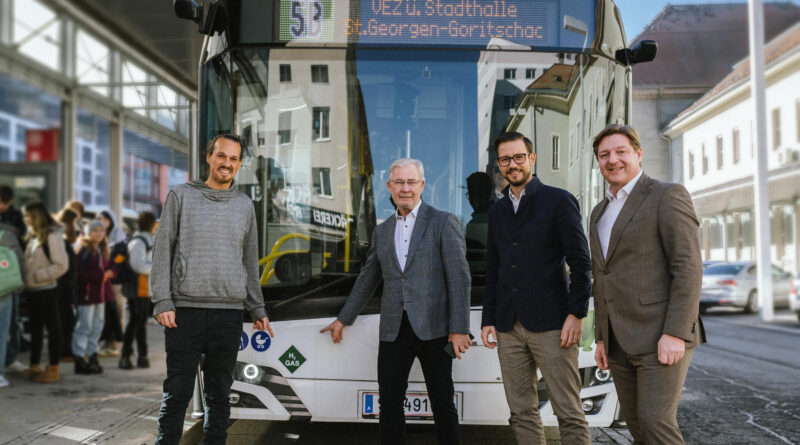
x,y
527,254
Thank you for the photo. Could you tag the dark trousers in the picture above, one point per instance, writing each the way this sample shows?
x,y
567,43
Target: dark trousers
x,y
394,363
112,329
140,310
44,312
67,315
215,333
14,333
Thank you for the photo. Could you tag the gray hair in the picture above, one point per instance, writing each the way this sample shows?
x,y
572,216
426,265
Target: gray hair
x,y
402,162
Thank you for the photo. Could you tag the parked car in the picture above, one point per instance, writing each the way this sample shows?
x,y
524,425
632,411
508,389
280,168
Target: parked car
x,y
794,296
707,263
734,284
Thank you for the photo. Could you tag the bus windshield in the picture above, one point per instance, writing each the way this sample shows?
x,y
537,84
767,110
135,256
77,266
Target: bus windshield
x,y
322,125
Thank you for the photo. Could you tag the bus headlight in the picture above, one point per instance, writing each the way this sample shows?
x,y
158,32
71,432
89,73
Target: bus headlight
x,y
251,372
588,405
602,375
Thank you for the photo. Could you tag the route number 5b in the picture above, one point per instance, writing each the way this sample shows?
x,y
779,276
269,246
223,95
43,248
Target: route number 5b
x,y
306,19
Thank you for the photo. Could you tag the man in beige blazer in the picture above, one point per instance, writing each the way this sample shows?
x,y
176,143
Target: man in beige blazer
x,y
647,277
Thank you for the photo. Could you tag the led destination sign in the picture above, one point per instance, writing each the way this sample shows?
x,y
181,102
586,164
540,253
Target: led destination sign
x,y
537,23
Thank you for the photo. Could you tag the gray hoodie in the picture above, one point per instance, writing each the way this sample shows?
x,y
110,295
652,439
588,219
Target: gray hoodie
x,y
205,252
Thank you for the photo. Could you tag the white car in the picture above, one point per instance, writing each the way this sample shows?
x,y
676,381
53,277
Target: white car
x,y
734,284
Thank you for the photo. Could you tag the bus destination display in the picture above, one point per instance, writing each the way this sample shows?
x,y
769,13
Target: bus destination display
x,y
537,23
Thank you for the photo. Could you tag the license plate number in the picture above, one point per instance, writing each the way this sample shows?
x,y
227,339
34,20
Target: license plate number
x,y
416,405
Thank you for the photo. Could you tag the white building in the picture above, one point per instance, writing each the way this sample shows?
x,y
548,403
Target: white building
x,y
715,134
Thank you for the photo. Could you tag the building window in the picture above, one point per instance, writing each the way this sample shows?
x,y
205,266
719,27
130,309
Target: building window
x,y
320,128
797,117
510,73
705,159
530,73
286,73
556,155
322,182
736,146
285,127
720,154
508,102
691,164
319,73
776,128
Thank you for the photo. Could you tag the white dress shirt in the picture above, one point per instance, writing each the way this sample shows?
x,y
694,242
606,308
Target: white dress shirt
x,y
615,204
514,200
403,228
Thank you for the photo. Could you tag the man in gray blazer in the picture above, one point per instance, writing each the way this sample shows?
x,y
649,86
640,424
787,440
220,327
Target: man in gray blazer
x,y
647,278
420,256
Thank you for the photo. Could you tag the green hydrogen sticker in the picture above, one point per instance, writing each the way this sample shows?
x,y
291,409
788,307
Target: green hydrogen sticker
x,y
292,359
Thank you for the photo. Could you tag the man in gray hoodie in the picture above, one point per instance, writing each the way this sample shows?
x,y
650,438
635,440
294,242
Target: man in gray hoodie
x,y
204,274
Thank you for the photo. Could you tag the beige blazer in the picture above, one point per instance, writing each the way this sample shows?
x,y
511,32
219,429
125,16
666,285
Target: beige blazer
x,y
649,283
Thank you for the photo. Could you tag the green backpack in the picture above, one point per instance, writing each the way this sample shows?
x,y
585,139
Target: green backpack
x,y
10,272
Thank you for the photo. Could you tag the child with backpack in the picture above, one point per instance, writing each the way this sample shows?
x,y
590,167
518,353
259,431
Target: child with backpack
x,y
94,288
11,273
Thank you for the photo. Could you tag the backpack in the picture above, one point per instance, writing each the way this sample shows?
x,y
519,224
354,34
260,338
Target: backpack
x,y
125,273
10,271
69,280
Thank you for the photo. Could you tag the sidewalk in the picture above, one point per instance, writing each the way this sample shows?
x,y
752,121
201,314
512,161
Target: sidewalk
x,y
115,407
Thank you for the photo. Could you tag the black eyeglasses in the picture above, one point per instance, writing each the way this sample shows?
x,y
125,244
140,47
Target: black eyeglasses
x,y
505,161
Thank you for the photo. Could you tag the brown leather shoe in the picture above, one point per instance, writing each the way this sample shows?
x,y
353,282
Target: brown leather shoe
x,y
49,375
31,372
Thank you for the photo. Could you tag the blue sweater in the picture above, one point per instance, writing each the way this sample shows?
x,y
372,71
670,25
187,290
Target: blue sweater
x,y
526,258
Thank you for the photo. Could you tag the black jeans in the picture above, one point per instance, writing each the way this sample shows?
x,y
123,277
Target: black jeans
x,y
43,310
215,333
140,310
394,363
112,328
66,299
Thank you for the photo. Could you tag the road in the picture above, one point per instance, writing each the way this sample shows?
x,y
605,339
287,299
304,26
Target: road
x,y
743,388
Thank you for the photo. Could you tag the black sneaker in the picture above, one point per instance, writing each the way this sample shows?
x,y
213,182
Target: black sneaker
x,y
94,365
81,367
125,363
142,362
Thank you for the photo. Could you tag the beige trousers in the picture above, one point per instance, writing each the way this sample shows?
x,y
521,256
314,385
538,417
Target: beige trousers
x,y
521,353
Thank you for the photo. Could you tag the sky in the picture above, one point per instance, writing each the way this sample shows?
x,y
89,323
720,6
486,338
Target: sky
x,y
636,14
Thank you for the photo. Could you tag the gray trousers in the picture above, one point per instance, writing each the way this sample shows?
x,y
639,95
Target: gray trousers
x,y
521,353
649,393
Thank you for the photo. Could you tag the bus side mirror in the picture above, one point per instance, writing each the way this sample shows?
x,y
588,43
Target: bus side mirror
x,y
188,10
643,51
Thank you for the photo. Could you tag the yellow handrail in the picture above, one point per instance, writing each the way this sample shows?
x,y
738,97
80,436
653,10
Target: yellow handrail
x,y
268,260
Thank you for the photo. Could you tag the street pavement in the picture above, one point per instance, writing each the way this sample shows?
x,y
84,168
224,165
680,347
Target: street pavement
x,y
743,388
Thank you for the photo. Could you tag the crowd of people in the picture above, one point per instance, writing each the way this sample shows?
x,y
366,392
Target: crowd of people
x,y
77,278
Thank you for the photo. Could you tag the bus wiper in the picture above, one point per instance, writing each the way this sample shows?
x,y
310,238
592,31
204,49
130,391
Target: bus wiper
x,y
313,291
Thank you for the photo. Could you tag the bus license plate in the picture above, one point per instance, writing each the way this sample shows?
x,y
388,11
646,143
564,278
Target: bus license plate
x,y
417,405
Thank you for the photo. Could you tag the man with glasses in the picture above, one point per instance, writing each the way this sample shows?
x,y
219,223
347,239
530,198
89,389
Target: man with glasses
x,y
531,308
420,256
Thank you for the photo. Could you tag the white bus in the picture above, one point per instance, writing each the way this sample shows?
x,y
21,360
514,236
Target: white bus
x,y
326,94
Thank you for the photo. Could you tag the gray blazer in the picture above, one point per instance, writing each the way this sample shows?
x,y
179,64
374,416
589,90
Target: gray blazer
x,y
434,289
649,283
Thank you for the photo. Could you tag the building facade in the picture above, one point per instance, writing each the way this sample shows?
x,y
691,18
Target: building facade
x,y
716,136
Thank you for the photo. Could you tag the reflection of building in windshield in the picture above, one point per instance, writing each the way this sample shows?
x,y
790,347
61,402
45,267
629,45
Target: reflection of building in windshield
x,y
502,80
553,113
301,119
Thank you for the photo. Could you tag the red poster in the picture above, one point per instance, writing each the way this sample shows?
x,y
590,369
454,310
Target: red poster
x,y
41,145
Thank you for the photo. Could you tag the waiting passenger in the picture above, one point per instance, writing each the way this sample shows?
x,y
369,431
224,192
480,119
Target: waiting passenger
x,y
68,282
115,303
45,261
137,292
12,282
94,282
